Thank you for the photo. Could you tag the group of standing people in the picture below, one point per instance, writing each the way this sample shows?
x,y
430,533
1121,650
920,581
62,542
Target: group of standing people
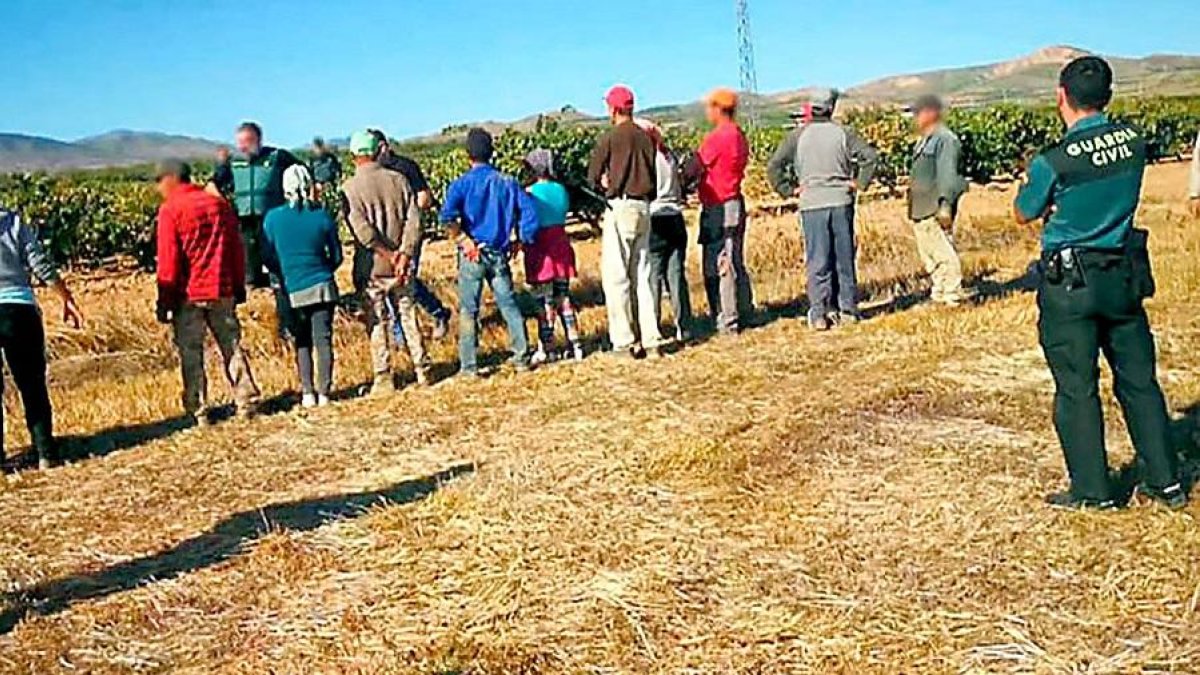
x,y
260,222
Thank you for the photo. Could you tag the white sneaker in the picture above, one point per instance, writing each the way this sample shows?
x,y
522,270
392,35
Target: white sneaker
x,y
539,358
322,400
308,401
577,353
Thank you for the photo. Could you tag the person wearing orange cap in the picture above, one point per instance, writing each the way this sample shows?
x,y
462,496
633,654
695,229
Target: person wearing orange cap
x,y
622,166
720,166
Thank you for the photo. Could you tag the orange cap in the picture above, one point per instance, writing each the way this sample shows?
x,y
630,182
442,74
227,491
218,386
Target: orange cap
x,y
725,99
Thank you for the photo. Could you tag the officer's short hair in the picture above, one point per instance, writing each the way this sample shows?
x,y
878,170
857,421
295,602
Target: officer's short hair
x,y
251,126
1087,82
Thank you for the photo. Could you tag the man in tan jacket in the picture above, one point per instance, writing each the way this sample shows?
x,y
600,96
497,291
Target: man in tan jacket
x,y
386,219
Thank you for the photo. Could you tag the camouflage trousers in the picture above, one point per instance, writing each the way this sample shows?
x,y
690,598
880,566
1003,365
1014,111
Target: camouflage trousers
x,y
388,301
192,321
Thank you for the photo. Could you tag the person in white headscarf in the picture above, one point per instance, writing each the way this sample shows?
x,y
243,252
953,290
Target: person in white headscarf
x,y
301,247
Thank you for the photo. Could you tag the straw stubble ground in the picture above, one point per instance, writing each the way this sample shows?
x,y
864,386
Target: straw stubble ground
x,y
864,501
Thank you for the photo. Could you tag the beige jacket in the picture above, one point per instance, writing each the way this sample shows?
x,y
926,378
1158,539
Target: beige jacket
x,y
382,209
1195,183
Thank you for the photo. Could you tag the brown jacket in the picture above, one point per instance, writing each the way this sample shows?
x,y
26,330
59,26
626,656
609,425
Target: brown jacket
x,y
382,209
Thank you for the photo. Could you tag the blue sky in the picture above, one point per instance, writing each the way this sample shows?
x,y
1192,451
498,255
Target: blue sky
x,y
80,67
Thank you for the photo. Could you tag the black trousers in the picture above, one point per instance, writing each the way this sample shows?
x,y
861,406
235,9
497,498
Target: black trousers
x,y
668,266
23,342
1078,323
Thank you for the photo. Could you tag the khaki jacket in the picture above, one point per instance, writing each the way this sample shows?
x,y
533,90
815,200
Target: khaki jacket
x,y
382,210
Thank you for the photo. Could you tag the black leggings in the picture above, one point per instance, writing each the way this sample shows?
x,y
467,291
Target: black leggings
x,y
23,342
313,327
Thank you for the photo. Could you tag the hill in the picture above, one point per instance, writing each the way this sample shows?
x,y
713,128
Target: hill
x,y
20,152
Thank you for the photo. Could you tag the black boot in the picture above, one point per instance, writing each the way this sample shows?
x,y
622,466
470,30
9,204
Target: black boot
x,y
1068,500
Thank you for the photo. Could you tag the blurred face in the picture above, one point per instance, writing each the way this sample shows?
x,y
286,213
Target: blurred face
x,y
223,155
1064,106
713,113
927,118
248,142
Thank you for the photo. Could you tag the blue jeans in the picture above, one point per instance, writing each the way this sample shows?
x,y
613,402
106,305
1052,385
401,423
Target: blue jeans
x,y
830,253
493,269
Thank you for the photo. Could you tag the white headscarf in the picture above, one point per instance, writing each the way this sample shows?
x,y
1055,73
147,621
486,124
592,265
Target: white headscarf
x,y
297,185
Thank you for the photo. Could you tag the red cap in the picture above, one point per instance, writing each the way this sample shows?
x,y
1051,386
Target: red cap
x,y
620,97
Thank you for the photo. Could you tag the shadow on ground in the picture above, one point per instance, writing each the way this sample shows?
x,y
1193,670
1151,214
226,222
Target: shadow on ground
x,y
221,543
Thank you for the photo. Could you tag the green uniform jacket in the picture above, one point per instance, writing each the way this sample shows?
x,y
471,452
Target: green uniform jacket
x,y
258,181
935,177
1093,181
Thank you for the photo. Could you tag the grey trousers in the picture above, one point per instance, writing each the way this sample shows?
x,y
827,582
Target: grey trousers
x,y
726,280
829,259
668,267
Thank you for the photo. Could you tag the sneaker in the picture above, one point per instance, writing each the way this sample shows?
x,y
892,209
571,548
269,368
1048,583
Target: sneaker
x,y
819,324
1174,497
539,358
423,378
308,401
577,353
245,411
322,400
1067,500
48,456
441,327
384,385
847,318
200,419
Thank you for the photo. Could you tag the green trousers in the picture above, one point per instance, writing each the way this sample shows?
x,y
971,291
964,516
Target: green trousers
x,y
1076,324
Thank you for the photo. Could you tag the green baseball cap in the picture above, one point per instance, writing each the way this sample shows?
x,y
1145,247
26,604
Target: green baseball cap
x,y
363,144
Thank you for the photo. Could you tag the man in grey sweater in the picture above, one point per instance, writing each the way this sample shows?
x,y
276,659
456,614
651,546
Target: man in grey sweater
x,y
22,336
934,191
825,164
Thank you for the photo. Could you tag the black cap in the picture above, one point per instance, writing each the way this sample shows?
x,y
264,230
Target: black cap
x,y
480,147
173,167
1088,82
927,102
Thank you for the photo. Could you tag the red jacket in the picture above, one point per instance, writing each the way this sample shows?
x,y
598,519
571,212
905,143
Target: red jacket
x,y
200,254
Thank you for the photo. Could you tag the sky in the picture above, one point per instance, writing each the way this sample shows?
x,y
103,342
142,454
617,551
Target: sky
x,y
74,68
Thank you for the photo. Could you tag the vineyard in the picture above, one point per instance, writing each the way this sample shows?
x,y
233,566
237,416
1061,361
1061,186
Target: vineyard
x,y
89,217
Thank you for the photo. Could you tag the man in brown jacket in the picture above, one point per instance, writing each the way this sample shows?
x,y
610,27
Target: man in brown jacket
x,y
386,219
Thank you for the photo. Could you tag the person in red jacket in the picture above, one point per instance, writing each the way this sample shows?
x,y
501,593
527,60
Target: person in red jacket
x,y
201,280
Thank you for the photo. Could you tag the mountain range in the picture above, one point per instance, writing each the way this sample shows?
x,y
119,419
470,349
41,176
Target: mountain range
x,y
1027,79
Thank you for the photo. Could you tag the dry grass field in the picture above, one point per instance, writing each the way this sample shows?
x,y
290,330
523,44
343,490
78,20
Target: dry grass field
x,y
865,501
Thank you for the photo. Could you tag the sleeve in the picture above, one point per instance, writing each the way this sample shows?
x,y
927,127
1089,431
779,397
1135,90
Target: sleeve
x,y
780,166
866,158
1194,192
360,226
233,232
709,152
287,160
270,255
527,222
36,259
169,293
452,209
1036,196
949,183
599,162
416,177
410,240
333,245
223,178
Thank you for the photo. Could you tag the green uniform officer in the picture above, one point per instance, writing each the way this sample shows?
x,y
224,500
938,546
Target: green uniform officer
x,y
255,179
1095,276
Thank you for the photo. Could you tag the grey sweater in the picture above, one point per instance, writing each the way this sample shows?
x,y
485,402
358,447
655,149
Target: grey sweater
x,y
825,159
21,255
1194,191
935,179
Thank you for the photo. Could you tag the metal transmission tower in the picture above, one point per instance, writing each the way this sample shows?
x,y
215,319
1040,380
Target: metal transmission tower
x,y
749,77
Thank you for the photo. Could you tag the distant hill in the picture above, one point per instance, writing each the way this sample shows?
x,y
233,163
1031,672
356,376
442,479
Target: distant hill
x,y
1027,79
117,148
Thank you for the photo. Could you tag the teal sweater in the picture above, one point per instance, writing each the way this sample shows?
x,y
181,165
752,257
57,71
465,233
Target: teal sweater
x,y
301,246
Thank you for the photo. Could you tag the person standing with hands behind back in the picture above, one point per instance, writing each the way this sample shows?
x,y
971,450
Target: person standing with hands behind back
x,y
933,196
22,335
1095,276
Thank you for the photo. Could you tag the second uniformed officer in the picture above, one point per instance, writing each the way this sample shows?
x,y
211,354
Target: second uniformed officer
x,y
1095,277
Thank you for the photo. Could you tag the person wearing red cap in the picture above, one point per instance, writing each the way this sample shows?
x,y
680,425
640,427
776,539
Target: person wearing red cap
x,y
623,168
720,166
